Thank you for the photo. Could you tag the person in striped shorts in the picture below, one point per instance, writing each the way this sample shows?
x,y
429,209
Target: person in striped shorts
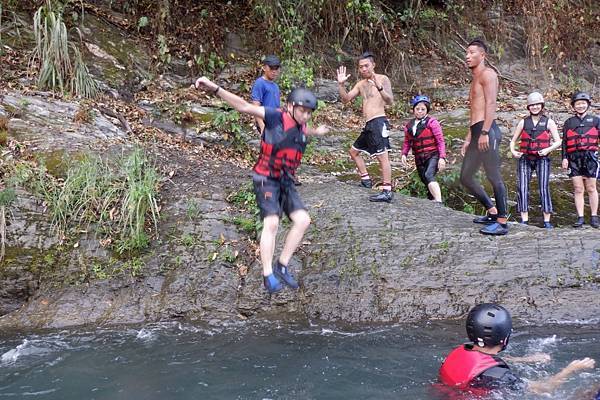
x,y
538,136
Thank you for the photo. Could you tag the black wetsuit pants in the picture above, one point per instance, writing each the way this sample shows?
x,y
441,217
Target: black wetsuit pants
x,y
490,160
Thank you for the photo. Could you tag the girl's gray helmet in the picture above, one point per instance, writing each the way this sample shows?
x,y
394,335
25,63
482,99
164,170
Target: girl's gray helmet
x,y
535,98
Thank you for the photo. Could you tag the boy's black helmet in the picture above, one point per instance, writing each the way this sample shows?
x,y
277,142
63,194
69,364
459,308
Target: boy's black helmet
x,y
302,97
581,96
489,325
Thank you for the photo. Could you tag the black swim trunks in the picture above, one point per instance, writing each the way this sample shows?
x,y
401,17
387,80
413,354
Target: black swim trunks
x,y
374,138
584,163
274,196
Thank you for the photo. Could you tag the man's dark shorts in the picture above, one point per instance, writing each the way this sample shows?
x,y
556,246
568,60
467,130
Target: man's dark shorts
x,y
584,163
274,198
374,138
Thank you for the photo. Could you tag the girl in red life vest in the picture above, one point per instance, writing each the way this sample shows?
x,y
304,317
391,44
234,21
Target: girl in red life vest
x,y
580,156
538,136
423,135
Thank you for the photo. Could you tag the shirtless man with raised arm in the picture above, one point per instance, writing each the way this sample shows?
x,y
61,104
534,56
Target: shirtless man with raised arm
x,y
482,144
376,92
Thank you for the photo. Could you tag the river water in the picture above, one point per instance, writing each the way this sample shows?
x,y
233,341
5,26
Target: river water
x,y
276,361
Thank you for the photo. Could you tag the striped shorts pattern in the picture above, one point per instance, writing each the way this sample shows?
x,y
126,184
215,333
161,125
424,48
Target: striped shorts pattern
x,y
525,168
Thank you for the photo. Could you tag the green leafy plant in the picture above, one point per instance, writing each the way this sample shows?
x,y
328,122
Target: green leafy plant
x,y
245,200
142,22
140,200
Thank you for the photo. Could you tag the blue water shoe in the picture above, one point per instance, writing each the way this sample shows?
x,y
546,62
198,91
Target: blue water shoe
x,y
495,229
272,284
282,272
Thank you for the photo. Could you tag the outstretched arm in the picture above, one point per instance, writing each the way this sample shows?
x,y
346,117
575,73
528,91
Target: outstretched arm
x,y
552,383
234,101
319,131
531,358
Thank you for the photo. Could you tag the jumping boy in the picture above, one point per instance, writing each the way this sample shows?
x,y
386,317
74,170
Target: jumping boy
x,y
283,142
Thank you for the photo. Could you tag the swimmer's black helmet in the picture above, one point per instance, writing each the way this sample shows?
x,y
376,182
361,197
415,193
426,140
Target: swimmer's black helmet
x,y
489,325
302,97
581,96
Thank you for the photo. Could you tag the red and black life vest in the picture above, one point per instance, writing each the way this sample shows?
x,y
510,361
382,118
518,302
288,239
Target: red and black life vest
x,y
423,142
281,148
463,365
534,137
581,134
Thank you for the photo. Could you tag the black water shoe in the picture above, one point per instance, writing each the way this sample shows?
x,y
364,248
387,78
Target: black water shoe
x,y
486,219
579,223
366,183
384,196
595,221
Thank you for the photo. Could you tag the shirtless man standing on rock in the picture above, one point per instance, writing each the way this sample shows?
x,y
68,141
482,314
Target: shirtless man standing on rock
x,y
376,92
482,144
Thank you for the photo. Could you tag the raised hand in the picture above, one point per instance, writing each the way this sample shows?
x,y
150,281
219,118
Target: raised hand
x,y
373,80
341,74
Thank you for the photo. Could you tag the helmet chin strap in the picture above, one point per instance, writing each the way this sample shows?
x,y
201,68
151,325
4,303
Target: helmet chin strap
x,y
294,115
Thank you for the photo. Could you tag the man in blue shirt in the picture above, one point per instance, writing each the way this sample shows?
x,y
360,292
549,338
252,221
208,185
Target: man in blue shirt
x,y
265,91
